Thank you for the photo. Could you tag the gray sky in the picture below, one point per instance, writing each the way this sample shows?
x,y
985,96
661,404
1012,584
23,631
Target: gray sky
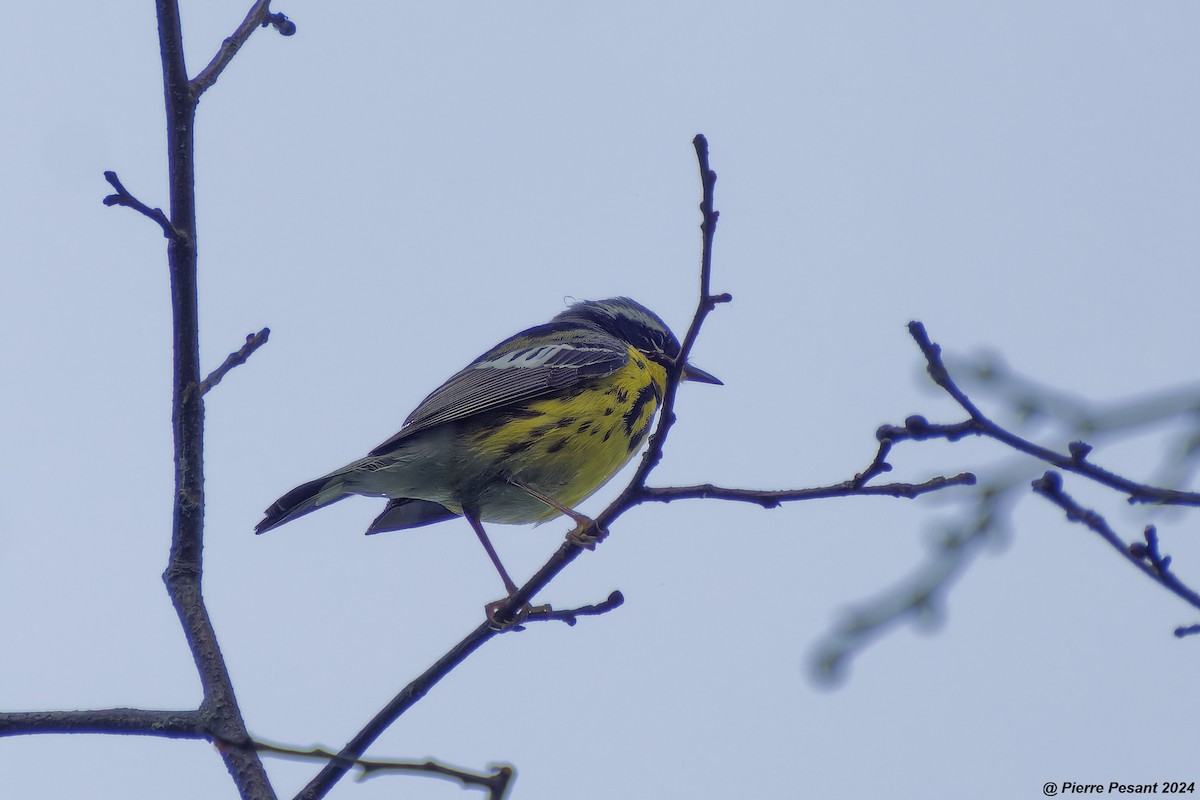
x,y
399,186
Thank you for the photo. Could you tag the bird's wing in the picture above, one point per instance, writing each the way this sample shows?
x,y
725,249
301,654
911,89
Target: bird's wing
x,y
511,373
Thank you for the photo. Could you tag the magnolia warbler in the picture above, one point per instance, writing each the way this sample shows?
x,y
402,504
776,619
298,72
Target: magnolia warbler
x,y
524,433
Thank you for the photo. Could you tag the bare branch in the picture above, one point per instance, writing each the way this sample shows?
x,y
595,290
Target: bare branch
x,y
183,575
259,15
774,498
878,465
280,22
351,754
235,359
129,721
218,717
332,772
1075,461
1145,557
705,304
570,616
124,198
497,783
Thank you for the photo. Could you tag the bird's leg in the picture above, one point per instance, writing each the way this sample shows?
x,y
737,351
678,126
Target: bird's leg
x,y
582,535
477,526
491,608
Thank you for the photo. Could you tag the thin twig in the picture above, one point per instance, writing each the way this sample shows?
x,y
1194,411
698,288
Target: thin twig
x,y
855,487
235,359
571,615
332,772
1075,461
706,302
708,229
774,498
878,465
497,783
1145,557
258,16
351,754
123,197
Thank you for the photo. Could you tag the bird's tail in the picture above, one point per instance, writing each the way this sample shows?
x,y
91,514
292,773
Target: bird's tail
x,y
305,498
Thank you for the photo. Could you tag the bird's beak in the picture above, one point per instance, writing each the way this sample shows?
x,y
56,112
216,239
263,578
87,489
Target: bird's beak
x,y
692,373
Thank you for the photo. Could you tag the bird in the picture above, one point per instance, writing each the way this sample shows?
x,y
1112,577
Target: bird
x,y
522,434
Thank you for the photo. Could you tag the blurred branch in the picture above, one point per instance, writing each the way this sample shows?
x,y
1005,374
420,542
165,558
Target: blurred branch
x,y
235,359
1032,399
921,596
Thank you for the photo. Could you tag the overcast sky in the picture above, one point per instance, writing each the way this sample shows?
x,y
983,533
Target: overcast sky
x,y
400,185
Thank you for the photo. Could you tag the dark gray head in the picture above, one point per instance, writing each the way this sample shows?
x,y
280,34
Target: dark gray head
x,y
634,323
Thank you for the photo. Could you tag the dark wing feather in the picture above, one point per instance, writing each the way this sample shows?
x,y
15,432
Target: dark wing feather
x,y
403,513
524,367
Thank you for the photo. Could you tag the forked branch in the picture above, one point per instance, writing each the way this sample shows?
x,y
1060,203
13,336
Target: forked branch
x,y
1144,555
123,197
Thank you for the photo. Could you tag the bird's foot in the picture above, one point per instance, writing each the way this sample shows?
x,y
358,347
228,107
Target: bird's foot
x,y
586,533
514,621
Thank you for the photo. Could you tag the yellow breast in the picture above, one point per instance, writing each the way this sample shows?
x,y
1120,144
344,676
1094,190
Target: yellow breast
x,y
569,446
